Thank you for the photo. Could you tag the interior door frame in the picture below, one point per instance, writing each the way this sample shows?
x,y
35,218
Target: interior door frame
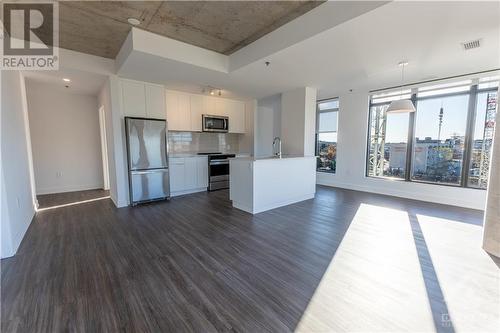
x,y
104,148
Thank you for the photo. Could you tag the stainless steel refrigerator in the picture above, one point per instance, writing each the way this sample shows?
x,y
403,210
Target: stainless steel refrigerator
x,y
147,159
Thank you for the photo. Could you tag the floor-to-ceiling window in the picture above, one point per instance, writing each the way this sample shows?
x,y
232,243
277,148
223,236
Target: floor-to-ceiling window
x,y
326,135
446,141
388,137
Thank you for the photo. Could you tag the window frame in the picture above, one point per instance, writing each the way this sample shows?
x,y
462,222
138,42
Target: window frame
x,y
468,139
317,132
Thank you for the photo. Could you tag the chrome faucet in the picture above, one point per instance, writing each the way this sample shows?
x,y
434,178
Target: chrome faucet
x,y
277,142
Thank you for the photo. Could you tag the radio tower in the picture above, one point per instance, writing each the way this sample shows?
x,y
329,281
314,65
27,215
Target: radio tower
x,y
489,128
441,112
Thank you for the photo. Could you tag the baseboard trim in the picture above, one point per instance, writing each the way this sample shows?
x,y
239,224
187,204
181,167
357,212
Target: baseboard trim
x,y
242,207
403,194
184,192
274,205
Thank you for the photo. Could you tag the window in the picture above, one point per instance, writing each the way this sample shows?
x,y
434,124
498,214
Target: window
x,y
446,141
484,125
326,135
438,149
388,144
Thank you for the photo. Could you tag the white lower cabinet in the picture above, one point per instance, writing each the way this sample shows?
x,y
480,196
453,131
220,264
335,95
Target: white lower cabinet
x,y
202,170
188,174
176,166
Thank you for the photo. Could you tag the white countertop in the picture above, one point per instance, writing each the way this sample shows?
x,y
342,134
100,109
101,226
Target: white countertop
x,y
283,157
181,155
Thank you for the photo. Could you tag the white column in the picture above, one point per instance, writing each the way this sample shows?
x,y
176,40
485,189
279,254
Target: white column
x,y
298,121
491,232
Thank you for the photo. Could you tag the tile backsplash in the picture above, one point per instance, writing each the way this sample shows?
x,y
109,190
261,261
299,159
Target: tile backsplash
x,y
195,142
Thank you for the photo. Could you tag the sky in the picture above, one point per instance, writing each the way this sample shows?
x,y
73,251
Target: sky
x,y
427,119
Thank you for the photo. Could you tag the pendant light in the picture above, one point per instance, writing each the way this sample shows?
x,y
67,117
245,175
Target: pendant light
x,y
401,105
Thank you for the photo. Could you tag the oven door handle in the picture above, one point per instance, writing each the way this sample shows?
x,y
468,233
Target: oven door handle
x,y
219,162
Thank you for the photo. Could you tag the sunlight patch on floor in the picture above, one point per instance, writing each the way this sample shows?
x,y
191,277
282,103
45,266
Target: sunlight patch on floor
x,y
374,282
470,280
72,204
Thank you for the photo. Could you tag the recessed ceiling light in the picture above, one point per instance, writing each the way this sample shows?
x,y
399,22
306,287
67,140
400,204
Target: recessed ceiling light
x,y
133,21
66,80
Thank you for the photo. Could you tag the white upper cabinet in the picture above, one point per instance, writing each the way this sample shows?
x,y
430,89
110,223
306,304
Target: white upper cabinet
x,y
178,111
133,98
236,114
140,99
196,112
209,105
184,111
221,107
155,101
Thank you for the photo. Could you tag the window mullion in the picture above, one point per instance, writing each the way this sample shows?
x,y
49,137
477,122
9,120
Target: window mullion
x,y
469,136
411,134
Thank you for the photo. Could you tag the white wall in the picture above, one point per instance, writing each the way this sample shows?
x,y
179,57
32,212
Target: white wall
x,y
17,206
104,101
298,121
65,139
109,98
351,163
267,124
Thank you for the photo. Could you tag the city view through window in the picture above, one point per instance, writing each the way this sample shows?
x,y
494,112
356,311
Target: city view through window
x,y
440,133
326,135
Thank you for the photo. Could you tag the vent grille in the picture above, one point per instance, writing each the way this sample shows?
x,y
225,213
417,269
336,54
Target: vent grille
x,y
473,44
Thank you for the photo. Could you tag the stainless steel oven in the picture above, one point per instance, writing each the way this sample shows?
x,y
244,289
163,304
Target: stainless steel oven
x,y
215,123
218,171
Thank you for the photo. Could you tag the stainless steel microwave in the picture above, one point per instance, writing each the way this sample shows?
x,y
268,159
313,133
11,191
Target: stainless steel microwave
x,y
215,123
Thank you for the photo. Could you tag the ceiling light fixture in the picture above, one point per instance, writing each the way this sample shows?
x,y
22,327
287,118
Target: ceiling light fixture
x,y
66,80
401,105
133,21
212,90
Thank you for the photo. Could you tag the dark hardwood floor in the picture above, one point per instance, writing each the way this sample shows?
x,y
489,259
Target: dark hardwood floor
x,y
343,261
57,199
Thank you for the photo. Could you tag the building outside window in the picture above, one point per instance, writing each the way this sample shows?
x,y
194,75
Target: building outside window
x,y
446,141
326,135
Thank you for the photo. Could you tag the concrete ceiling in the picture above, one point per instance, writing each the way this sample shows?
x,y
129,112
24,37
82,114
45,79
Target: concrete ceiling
x,y
100,27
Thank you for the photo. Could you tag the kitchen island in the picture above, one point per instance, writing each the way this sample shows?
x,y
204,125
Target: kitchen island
x,y
260,184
